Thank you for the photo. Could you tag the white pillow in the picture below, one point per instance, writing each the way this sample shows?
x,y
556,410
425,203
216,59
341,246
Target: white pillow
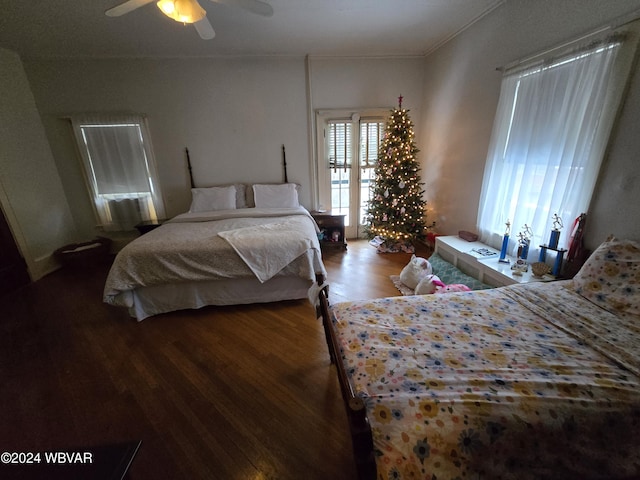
x,y
609,278
241,196
284,195
213,198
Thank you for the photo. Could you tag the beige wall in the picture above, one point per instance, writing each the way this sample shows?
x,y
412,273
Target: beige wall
x,y
461,92
367,82
31,193
234,114
355,84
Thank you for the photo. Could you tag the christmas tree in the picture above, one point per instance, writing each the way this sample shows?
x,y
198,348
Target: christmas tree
x,y
395,213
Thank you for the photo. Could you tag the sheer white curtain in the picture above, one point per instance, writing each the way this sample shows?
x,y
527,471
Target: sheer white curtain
x,y
120,169
550,133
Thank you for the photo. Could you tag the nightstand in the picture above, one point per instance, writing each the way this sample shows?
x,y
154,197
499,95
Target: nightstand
x,y
332,230
147,226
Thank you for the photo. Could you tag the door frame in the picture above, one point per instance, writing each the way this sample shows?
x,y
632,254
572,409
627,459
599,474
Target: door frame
x,y
14,227
322,117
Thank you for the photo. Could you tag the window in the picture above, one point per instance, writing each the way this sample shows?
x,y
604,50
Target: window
x,y
551,129
344,140
120,169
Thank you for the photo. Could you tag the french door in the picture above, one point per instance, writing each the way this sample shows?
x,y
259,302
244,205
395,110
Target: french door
x,y
347,154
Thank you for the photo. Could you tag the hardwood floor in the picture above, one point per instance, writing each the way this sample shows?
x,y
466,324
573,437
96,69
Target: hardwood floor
x,y
362,273
240,392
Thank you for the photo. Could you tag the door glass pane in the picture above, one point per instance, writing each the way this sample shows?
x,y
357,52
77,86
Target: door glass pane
x,y
340,161
351,171
370,136
340,145
367,176
340,184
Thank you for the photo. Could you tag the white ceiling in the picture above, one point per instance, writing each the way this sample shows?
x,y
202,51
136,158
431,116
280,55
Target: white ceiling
x,y
71,28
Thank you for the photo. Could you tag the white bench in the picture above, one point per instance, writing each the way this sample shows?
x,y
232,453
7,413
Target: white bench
x,y
469,258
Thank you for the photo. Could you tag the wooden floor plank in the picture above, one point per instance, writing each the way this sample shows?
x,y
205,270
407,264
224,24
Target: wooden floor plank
x,y
234,392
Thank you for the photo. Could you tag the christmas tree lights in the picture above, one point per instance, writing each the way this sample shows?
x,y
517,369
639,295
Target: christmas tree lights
x,y
396,210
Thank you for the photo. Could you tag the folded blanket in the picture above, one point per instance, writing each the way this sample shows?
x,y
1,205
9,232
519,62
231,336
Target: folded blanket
x,y
255,245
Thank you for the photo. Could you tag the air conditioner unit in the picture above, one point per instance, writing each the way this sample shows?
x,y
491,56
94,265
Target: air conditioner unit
x,y
126,213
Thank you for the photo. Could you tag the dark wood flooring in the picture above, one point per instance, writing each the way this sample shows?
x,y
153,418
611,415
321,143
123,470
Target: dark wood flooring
x,y
240,392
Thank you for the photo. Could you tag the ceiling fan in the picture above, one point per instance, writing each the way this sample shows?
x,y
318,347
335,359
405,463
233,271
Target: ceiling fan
x,y
190,11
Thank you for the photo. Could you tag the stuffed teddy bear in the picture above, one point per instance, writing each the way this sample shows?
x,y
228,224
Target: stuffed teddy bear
x,y
414,271
452,287
433,284
428,285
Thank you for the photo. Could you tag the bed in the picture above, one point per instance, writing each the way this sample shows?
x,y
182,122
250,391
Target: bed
x,y
533,381
223,251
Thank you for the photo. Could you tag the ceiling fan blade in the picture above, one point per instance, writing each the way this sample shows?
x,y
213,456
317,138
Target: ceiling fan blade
x,y
204,29
126,7
255,6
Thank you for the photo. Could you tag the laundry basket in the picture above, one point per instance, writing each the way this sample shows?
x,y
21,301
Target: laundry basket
x,y
82,255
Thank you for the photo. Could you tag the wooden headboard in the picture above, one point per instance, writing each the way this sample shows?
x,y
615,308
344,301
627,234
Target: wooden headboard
x,y
189,166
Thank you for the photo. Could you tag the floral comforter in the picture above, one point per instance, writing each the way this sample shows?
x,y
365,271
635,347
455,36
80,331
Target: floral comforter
x,y
523,382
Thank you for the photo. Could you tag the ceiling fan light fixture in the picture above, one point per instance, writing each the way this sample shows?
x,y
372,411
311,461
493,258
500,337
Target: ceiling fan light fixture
x,y
183,11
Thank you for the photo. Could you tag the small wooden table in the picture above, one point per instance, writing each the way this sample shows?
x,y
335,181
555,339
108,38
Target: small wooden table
x,y
332,229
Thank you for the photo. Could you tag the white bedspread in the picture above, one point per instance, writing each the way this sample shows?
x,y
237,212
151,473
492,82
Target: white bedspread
x,y
191,247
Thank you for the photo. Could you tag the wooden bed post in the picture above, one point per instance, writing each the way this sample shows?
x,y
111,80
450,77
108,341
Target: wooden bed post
x,y
361,437
284,164
189,167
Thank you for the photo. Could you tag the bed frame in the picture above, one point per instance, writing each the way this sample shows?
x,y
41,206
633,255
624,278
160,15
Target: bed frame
x,y
146,301
359,427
